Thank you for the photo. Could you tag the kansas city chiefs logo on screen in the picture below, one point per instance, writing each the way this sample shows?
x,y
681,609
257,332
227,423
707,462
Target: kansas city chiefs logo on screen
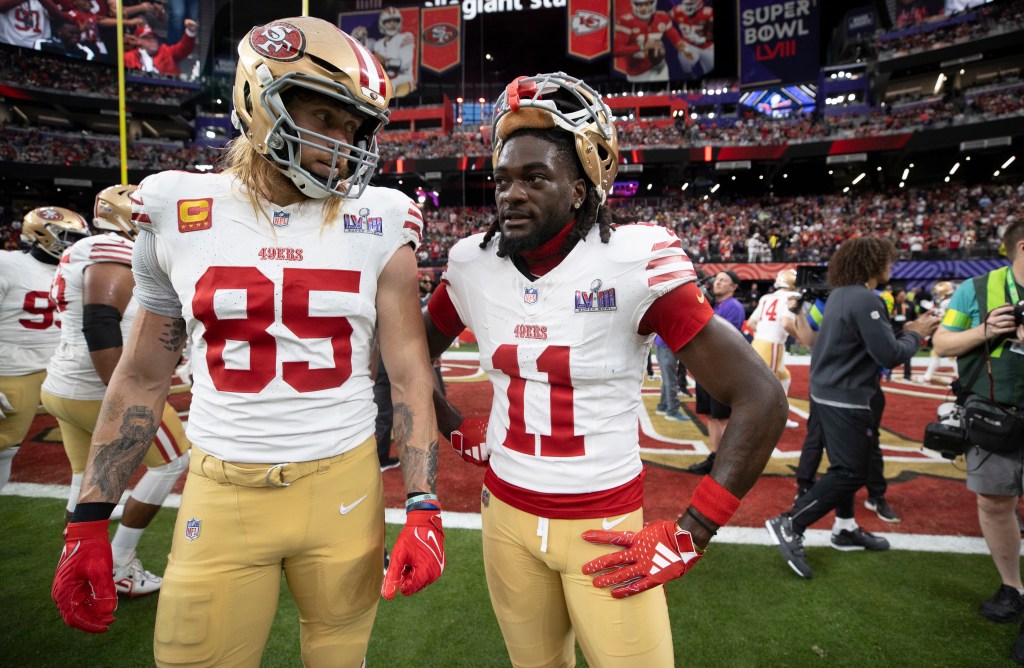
x,y
278,41
440,34
585,22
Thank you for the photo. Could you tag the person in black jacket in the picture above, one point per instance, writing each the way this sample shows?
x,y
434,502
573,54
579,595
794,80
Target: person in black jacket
x,y
855,343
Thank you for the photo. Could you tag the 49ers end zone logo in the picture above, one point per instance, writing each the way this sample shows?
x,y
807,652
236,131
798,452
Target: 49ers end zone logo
x,y
278,41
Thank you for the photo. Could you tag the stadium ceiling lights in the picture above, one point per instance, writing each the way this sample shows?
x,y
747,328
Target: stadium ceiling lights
x,y
1008,162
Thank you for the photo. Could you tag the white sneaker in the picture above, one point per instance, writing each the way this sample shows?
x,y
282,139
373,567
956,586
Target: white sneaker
x,y
792,424
133,580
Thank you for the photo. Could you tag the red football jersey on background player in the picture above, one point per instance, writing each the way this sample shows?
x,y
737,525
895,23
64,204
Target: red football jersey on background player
x,y
698,29
634,35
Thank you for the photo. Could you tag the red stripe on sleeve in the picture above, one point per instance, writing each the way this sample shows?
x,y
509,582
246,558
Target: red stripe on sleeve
x,y
442,312
671,276
677,316
675,243
670,259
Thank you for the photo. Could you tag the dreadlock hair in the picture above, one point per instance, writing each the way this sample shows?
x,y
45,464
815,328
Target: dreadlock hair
x,y
859,260
591,211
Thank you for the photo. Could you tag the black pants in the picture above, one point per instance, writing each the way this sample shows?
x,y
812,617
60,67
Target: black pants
x,y
850,440
385,412
814,446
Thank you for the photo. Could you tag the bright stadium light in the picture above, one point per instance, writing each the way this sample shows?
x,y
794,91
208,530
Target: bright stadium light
x,y
1008,162
859,178
954,168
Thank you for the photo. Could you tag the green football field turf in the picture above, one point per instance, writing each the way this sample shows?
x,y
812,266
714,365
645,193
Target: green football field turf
x,y
741,606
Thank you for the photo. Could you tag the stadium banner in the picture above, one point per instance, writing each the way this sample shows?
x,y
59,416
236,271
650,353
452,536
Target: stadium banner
x,y
390,35
441,38
778,41
663,40
589,29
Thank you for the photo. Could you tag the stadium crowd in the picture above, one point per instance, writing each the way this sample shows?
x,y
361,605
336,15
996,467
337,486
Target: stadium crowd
x,y
970,25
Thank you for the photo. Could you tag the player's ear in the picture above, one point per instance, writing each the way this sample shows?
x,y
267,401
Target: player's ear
x,y
579,193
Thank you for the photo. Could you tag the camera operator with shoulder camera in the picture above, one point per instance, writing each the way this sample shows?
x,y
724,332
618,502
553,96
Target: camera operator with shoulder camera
x,y
983,328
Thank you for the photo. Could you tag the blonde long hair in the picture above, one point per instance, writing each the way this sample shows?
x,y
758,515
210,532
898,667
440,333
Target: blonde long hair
x,y
260,176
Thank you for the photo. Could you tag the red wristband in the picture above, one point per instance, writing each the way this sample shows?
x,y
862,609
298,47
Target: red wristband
x,y
714,501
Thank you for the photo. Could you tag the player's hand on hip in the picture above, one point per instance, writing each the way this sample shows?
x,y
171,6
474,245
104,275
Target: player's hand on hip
x,y
83,587
660,552
470,441
417,558
5,406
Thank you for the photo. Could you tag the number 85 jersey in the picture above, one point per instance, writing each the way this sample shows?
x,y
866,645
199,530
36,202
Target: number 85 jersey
x,y
280,309
566,361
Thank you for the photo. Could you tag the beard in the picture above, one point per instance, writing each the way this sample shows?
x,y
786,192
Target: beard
x,y
535,238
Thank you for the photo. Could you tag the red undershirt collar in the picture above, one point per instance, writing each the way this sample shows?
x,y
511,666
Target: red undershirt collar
x,y
547,256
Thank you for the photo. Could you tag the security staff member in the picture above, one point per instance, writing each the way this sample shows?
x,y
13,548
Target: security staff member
x,y
979,324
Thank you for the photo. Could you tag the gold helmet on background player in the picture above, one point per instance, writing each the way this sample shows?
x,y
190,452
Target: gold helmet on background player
x,y
394,17
786,279
310,54
558,100
113,211
53,229
942,290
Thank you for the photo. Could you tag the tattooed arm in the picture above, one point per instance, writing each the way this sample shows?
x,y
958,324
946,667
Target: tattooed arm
x,y
403,347
132,405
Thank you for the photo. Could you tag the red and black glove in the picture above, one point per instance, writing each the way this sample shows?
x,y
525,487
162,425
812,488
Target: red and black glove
x,y
659,552
417,558
83,587
470,441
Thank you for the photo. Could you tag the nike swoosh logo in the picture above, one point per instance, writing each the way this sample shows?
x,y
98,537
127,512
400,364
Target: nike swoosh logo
x,y
345,510
608,526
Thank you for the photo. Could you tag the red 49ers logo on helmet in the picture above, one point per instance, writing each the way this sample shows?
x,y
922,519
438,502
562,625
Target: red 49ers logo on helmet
x,y
50,214
278,41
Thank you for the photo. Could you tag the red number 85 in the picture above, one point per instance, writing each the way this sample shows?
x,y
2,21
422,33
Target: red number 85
x,y
296,285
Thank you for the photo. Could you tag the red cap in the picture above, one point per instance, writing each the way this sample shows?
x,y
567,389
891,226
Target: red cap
x,y
143,30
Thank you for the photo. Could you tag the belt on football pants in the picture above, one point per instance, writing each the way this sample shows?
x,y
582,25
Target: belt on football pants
x,y
262,475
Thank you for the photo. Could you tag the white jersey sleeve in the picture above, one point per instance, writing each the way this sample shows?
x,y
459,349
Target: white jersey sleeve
x,y
280,309
71,373
564,355
29,326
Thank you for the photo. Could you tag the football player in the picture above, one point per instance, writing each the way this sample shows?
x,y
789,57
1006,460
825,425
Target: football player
x,y
278,271
770,334
639,48
564,308
942,292
396,51
92,289
695,22
29,327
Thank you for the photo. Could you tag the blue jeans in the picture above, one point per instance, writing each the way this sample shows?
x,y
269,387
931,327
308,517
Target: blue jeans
x,y
177,12
669,382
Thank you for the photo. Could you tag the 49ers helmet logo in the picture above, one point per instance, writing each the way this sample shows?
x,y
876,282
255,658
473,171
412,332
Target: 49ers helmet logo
x,y
49,214
278,41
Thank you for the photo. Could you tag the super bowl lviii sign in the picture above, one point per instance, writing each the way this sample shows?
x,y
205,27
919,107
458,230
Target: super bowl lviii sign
x,y
778,41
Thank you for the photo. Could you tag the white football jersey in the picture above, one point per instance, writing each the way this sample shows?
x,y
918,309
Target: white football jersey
x,y
564,355
770,313
23,24
397,55
71,373
280,317
29,326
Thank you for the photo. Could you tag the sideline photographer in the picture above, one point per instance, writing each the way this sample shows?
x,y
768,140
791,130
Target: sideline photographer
x,y
985,332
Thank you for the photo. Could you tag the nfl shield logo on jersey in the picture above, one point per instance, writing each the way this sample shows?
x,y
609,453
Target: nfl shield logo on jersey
x,y
530,296
281,218
192,529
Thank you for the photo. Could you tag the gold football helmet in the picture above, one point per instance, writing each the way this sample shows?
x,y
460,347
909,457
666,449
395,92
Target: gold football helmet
x,y
313,54
53,229
786,279
113,211
942,290
558,100
389,15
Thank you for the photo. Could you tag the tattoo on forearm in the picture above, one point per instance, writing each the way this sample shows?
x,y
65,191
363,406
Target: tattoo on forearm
x,y
115,461
173,336
417,464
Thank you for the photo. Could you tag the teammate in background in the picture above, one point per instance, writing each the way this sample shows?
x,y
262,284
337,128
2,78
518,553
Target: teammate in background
x,y
942,292
278,270
564,308
29,330
93,292
696,25
770,334
639,49
396,51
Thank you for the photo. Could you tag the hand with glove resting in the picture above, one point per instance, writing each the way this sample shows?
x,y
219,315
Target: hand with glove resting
x,y
83,586
417,558
659,552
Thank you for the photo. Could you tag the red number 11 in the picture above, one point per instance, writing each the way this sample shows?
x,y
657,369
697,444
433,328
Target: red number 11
x,y
554,362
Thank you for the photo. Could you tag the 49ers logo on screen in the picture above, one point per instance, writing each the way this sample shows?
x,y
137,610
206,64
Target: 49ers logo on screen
x,y
278,41
195,214
440,34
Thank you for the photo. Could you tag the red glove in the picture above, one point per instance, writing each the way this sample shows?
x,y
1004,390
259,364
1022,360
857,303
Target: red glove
x,y
660,552
470,441
418,556
83,587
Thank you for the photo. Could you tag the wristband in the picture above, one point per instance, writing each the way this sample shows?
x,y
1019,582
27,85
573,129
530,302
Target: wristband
x,y
714,501
417,498
423,505
91,512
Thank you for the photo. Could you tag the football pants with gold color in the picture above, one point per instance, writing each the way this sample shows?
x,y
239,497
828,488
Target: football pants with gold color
x,y
23,393
234,536
77,421
774,355
542,597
